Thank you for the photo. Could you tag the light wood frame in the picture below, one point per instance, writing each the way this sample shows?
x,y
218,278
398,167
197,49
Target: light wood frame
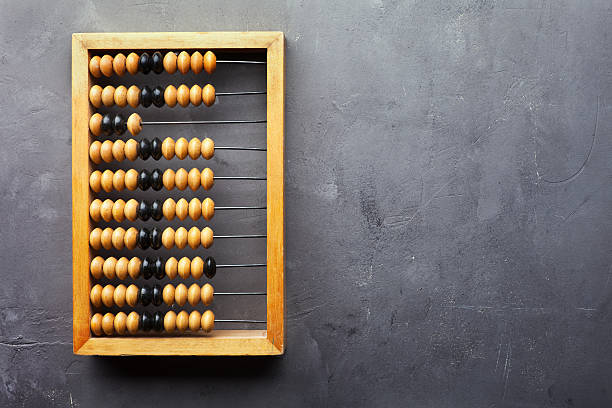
x,y
221,342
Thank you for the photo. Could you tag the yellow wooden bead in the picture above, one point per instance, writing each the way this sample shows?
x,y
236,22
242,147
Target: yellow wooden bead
x,y
95,96
171,268
168,148
107,295
206,294
106,210
119,295
96,267
95,124
121,268
170,96
108,324
193,237
194,178
208,148
94,152
95,181
94,67
169,209
210,62
184,267
170,62
119,64
131,179
95,238
170,322
194,148
108,96
106,181
168,179
207,179
180,238
130,211
96,324
106,151
208,321
106,238
108,267
119,150
132,322
131,149
95,296
94,210
197,267
183,62
194,320
180,294
207,237
168,294
182,209
118,238
131,238
208,208
134,267
193,294
134,124
121,96
133,96
181,148
182,95
131,63
195,209
180,179
197,62
131,295
182,321
106,65
119,180
208,95
168,238
120,323
119,210
195,95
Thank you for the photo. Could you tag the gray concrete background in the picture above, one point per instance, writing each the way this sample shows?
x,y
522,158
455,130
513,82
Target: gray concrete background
x,y
447,207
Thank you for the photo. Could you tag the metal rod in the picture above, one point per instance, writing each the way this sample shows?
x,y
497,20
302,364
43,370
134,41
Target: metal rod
x,y
241,208
204,122
238,178
238,321
239,293
240,236
239,62
248,265
261,149
241,93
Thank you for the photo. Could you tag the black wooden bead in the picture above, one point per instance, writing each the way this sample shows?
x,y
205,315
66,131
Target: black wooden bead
x,y
158,268
158,96
144,210
157,179
158,321
157,295
107,124
146,295
146,268
156,234
119,124
144,238
146,321
144,149
156,150
157,62
144,180
146,96
210,267
144,63
156,210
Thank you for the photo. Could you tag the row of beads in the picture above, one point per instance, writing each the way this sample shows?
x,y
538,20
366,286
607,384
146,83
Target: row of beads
x,y
158,96
119,210
112,267
108,124
131,149
131,179
121,295
121,323
146,63
119,238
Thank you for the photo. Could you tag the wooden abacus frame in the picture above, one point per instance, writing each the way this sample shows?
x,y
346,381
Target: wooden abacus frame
x,y
219,342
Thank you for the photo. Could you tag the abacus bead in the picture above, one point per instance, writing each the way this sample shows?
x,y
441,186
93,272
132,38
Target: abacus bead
x,y
193,237
158,321
208,95
95,296
168,179
108,267
94,151
119,150
180,294
171,268
134,124
170,62
168,294
157,62
119,295
96,267
144,149
119,124
183,62
182,95
197,267
210,62
107,295
194,148
94,210
158,96
157,179
121,269
119,64
144,238
119,210
146,295
182,321
146,269
168,238
106,210
207,237
146,96
158,268
195,209
194,178
180,179
106,65
95,124
156,241
108,96
131,295
206,294
134,267
95,96
180,238
170,96
95,238
106,127
156,210
144,212
193,294
106,151
95,181
131,149
208,208
194,320
195,95
181,148
169,209
208,321
208,178
133,323
96,324
131,179
146,321
108,325
156,149
182,209
170,322
144,180
106,239
131,63
144,63
157,295
131,238
106,181
210,267
133,96
130,211
197,62
94,67
120,323
184,267
121,96
118,238
208,148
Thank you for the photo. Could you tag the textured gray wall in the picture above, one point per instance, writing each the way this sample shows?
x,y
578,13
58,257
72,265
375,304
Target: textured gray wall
x,y
447,207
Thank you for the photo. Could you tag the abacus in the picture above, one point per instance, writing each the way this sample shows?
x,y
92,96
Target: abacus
x,y
143,268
